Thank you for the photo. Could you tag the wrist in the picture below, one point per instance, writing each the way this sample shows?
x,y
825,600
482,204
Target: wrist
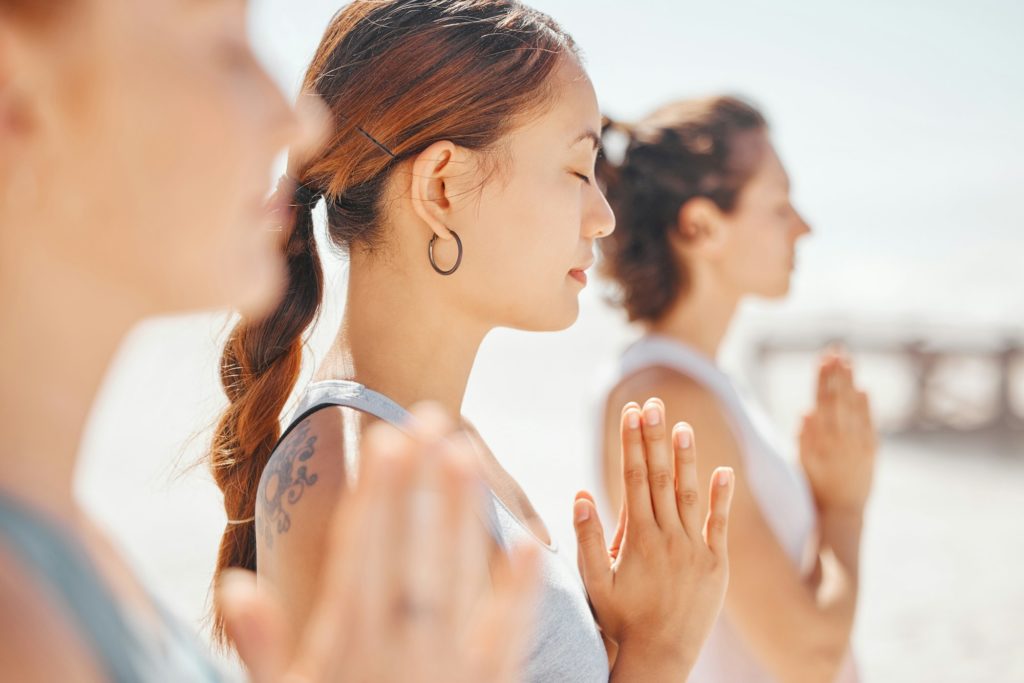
x,y
845,511
667,661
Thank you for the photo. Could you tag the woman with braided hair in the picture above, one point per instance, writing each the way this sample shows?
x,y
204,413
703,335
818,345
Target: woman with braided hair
x,y
459,184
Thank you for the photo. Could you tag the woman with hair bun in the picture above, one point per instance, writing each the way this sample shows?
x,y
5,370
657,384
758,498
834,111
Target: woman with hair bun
x,y
705,221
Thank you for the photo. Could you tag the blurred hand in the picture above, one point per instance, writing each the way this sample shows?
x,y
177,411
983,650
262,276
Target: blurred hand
x,y
838,440
400,599
659,588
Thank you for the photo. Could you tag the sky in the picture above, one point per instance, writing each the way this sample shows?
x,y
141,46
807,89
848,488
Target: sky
x,y
901,124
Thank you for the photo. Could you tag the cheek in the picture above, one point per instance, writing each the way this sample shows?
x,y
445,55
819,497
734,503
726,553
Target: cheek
x,y
526,240
533,227
199,198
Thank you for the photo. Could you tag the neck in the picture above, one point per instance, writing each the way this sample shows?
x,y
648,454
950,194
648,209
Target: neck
x,y
64,331
700,317
400,339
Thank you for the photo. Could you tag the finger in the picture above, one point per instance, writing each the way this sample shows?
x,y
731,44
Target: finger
x,y
845,373
809,436
593,557
826,381
716,528
620,528
636,488
863,403
506,627
660,468
583,495
255,625
469,573
620,531
437,507
355,598
687,495
388,476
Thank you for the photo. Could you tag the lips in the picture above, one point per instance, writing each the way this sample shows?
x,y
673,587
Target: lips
x,y
580,274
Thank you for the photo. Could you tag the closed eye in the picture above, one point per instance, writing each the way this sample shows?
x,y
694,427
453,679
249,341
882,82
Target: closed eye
x,y
584,178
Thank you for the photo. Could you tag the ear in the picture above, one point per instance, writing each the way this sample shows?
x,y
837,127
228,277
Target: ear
x,y
433,169
700,226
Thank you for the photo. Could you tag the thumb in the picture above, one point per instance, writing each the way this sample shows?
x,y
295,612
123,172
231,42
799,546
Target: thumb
x,y
592,555
254,624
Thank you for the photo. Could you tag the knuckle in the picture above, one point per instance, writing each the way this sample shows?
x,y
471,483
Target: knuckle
x,y
590,539
718,523
636,475
654,434
689,497
688,457
662,479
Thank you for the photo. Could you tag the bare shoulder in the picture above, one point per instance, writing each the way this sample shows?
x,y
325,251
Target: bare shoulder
x,y
33,631
302,482
686,400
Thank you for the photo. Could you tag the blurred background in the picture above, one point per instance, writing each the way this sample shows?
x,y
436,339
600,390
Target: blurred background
x,y
902,126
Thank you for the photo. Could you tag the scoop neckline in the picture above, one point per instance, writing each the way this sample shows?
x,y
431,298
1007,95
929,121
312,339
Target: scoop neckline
x,y
551,547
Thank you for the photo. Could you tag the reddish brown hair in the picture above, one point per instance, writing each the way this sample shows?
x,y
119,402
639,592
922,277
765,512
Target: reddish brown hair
x,y
683,150
34,11
397,76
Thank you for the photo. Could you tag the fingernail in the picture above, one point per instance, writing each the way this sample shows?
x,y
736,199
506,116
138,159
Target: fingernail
x,y
582,512
652,416
633,419
683,437
724,477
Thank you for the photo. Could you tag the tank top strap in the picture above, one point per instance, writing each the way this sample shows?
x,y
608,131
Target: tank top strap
x,y
63,567
652,350
349,394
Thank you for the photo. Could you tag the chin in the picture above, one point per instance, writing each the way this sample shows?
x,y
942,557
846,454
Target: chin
x,y
778,289
550,319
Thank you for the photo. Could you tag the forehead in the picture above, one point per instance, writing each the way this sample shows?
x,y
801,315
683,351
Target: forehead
x,y
571,111
769,172
575,105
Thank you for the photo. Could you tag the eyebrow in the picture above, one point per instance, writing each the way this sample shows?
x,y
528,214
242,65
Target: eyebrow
x,y
588,134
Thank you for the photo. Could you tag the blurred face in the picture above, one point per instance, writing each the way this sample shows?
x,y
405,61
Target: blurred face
x,y
529,236
759,236
149,133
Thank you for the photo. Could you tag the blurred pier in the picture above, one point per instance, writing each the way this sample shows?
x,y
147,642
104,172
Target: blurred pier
x,y
963,380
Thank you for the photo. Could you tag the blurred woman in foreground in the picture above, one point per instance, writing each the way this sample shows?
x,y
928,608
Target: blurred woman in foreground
x,y
136,142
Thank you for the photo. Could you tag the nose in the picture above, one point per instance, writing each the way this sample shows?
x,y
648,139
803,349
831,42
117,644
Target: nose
x,y
310,125
280,123
801,227
599,220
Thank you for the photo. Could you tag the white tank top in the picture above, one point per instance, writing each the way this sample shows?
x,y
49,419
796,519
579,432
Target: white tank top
x,y
778,485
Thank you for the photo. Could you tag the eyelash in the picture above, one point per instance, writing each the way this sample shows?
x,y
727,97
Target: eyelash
x,y
582,177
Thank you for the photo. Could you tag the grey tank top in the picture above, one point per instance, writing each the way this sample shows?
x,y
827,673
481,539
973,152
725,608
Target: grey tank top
x,y
126,649
567,647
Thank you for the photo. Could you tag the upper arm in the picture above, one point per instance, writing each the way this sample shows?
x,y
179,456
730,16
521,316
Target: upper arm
x,y
768,600
298,492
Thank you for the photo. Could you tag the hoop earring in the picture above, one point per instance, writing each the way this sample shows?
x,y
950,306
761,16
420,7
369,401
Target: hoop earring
x,y
458,260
